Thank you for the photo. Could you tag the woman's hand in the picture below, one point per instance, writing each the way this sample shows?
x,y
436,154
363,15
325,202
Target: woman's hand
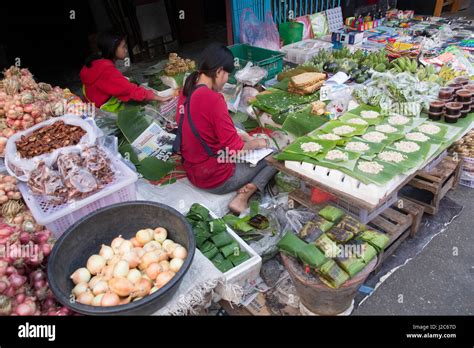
x,y
256,143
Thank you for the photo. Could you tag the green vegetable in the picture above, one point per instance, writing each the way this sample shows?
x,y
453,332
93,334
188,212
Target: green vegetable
x,y
291,244
331,213
209,250
217,226
312,256
232,248
221,239
238,259
332,274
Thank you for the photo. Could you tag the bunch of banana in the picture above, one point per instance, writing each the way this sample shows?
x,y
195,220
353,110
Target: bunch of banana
x,y
405,64
342,53
428,73
377,61
447,73
323,56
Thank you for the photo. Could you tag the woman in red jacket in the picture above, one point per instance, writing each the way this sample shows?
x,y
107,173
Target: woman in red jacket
x,y
206,134
103,84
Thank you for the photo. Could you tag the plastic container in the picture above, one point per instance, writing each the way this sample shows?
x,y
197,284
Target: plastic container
x,y
85,237
291,32
58,218
436,106
272,61
241,275
305,50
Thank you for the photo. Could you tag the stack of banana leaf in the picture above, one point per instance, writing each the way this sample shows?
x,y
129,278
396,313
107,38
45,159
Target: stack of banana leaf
x,y
213,240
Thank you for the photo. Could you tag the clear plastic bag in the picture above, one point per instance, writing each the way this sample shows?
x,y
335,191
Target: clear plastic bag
x,y
250,74
257,33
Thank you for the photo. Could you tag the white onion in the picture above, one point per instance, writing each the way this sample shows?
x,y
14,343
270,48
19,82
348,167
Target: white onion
x,y
95,263
79,289
165,265
179,252
94,280
132,258
176,264
164,278
125,247
85,298
148,259
81,275
134,275
116,243
96,301
144,236
110,299
153,245
160,234
139,251
106,252
121,269
100,288
169,247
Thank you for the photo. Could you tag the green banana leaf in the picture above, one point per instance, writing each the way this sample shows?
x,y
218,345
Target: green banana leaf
x,y
317,133
285,156
198,213
217,226
349,164
295,147
408,163
441,135
370,121
330,126
154,169
236,223
388,173
391,137
132,122
232,248
302,122
422,153
221,239
278,101
239,258
373,147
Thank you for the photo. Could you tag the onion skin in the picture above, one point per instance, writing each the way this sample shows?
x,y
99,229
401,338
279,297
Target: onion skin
x,y
121,286
85,298
163,279
179,252
81,275
153,270
95,263
160,234
110,299
148,259
142,288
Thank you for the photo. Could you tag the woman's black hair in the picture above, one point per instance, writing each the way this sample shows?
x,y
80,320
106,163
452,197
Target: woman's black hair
x,y
107,42
214,56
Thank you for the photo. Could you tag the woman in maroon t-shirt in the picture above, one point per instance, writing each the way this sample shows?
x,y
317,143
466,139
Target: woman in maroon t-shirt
x,y
208,139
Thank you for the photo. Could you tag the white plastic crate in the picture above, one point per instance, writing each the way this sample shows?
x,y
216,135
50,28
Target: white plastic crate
x,y
57,218
242,274
302,51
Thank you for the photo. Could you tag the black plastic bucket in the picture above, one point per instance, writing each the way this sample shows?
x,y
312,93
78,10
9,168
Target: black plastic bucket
x,y
86,236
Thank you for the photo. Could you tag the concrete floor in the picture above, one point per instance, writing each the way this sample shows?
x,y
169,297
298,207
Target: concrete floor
x,y
440,279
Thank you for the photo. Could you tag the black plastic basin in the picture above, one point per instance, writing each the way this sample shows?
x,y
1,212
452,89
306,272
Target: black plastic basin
x,y
86,236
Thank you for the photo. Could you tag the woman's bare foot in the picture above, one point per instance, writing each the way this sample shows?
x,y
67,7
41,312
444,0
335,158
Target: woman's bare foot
x,y
240,202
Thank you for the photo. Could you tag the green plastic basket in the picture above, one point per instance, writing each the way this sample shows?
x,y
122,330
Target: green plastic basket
x,y
272,61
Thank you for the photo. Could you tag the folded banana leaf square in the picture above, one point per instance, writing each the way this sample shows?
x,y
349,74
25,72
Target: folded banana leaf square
x,y
232,248
217,226
332,274
290,244
331,213
221,239
340,235
238,259
312,256
209,250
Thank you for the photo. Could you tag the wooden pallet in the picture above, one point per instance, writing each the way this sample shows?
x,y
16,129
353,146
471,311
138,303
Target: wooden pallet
x,y
415,210
438,181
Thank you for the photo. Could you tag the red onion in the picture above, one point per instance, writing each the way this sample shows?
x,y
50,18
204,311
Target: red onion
x,y
10,292
20,298
3,286
40,284
24,238
49,303
24,309
42,237
46,249
64,311
16,280
11,270
6,231
37,275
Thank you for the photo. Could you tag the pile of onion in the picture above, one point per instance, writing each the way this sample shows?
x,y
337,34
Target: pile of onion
x,y
128,270
23,283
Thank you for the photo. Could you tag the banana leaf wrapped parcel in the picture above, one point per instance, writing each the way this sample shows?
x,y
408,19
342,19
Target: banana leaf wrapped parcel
x,y
331,213
340,235
376,239
312,256
197,213
291,244
350,224
332,275
327,246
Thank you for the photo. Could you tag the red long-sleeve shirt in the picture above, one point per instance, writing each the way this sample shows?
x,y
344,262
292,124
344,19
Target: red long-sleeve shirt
x,y
103,81
214,124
